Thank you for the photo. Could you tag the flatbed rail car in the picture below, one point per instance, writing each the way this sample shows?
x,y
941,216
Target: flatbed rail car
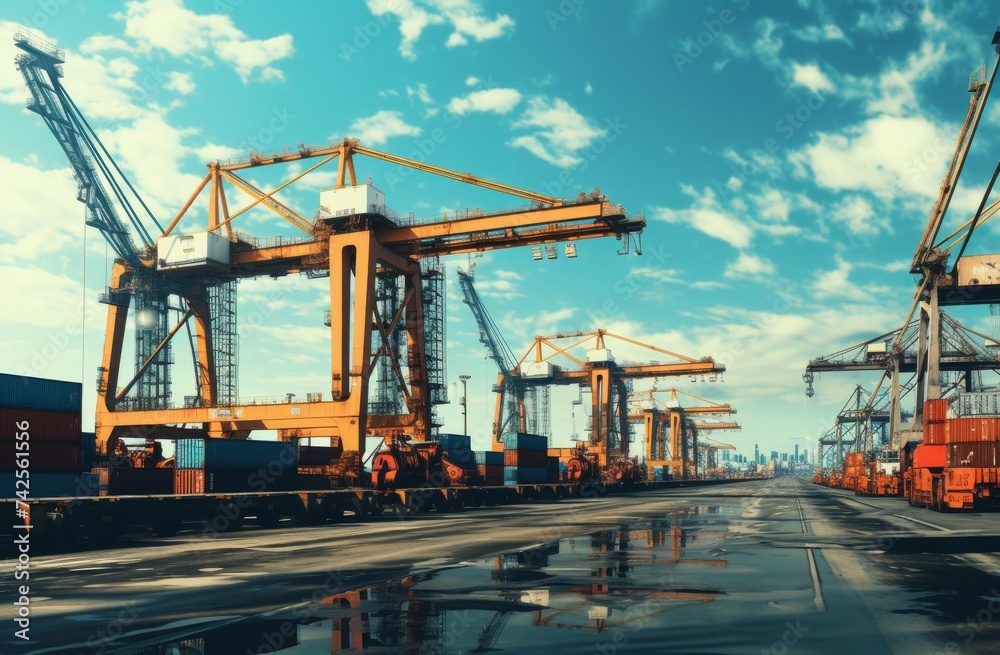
x,y
103,518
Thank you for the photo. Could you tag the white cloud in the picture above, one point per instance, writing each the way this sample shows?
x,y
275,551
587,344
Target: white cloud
x,y
465,17
182,83
33,226
811,77
768,44
708,217
747,266
546,322
858,215
169,26
508,275
836,283
588,89
420,92
102,43
382,126
820,33
885,155
499,101
560,131
895,91
471,81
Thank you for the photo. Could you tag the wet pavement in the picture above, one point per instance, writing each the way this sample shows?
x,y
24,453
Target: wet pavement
x,y
779,567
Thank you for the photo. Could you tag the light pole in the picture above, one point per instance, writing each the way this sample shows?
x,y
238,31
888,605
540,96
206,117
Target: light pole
x,y
465,405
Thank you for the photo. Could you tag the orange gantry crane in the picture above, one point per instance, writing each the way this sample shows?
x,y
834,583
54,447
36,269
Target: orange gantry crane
x,y
353,244
190,268
671,436
607,380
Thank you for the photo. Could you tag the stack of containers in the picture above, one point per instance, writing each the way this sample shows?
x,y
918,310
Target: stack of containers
x,y
936,422
458,449
490,467
973,431
49,410
525,459
232,466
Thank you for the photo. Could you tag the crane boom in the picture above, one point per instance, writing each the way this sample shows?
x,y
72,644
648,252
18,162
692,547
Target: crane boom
x,y
93,167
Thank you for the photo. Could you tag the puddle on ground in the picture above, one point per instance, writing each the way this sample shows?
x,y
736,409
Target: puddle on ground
x,y
638,585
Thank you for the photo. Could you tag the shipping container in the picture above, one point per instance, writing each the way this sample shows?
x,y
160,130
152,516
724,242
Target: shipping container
x,y
42,456
935,434
50,485
492,474
454,441
489,458
319,455
530,458
930,456
135,482
88,449
514,475
43,425
979,454
19,391
961,430
935,410
975,404
231,454
525,441
206,481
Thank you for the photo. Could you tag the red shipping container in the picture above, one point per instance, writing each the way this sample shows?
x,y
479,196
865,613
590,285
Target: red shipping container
x,y
935,410
189,481
526,458
43,426
975,428
492,474
978,454
930,456
935,434
49,457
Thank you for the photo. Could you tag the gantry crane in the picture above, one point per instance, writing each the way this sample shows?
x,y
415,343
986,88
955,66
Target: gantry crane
x,y
606,379
961,356
526,407
708,449
353,238
671,435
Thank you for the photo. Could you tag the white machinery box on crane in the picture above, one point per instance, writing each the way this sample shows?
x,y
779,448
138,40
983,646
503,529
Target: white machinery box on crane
x,y
979,270
349,200
198,249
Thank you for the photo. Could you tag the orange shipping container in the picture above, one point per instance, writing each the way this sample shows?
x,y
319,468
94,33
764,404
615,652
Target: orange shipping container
x,y
964,430
935,434
935,410
930,456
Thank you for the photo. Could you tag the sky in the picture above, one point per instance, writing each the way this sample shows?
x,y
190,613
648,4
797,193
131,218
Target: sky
x,y
785,155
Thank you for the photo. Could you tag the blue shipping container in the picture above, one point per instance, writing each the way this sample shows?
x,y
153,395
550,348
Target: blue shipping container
x,y
229,454
88,449
50,485
525,441
22,392
489,458
455,441
514,475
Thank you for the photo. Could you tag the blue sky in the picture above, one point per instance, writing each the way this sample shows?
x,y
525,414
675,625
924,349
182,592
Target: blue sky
x,y
785,155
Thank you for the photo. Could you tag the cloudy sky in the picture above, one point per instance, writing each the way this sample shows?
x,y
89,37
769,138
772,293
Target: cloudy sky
x,y
785,155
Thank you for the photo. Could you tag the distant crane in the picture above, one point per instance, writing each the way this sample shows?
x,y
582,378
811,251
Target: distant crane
x,y
525,408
